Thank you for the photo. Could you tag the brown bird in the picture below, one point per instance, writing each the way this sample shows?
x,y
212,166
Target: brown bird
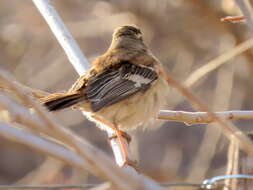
x,y
124,89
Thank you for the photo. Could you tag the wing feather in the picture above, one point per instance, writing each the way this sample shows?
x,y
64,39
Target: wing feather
x,y
117,84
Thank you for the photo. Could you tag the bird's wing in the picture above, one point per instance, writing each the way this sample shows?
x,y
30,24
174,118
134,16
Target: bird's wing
x,y
79,84
118,83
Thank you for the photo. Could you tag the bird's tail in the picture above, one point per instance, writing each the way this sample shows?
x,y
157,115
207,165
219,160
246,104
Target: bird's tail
x,y
58,101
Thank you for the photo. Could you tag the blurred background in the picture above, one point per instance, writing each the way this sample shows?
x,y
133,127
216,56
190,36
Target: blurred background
x,y
183,34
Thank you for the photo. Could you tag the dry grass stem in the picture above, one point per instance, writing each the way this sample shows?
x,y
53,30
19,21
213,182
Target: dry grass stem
x,y
217,62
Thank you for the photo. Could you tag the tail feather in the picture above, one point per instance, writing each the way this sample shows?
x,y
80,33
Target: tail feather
x,y
58,101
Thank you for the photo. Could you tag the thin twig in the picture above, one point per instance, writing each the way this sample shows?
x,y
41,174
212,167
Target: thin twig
x,y
191,118
233,19
229,129
217,62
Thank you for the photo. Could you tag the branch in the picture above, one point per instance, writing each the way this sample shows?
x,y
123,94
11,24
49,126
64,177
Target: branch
x,y
9,132
230,130
63,36
96,161
190,118
76,58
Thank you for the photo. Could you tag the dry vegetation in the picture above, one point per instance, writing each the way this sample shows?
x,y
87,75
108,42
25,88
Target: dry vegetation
x,y
185,35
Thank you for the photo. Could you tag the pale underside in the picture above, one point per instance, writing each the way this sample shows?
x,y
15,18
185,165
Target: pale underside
x,y
137,110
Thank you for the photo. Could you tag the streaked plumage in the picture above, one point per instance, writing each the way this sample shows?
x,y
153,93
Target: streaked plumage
x,y
125,86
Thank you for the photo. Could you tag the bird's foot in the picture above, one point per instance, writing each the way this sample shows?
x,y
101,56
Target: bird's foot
x,y
132,164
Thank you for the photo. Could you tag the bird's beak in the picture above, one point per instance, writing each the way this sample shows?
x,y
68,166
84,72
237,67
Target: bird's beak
x,y
139,36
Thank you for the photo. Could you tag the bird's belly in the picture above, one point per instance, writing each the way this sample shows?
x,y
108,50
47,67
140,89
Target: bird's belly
x,y
137,110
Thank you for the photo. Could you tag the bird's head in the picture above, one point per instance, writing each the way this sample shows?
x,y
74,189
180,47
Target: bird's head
x,y
128,31
127,36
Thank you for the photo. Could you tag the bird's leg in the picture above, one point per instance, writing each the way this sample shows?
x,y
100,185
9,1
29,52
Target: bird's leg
x,y
122,144
126,136
120,135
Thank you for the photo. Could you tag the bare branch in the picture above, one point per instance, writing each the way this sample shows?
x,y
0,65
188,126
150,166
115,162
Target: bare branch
x,y
228,128
9,132
190,118
63,36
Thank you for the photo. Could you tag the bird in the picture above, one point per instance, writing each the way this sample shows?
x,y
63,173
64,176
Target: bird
x,y
123,90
